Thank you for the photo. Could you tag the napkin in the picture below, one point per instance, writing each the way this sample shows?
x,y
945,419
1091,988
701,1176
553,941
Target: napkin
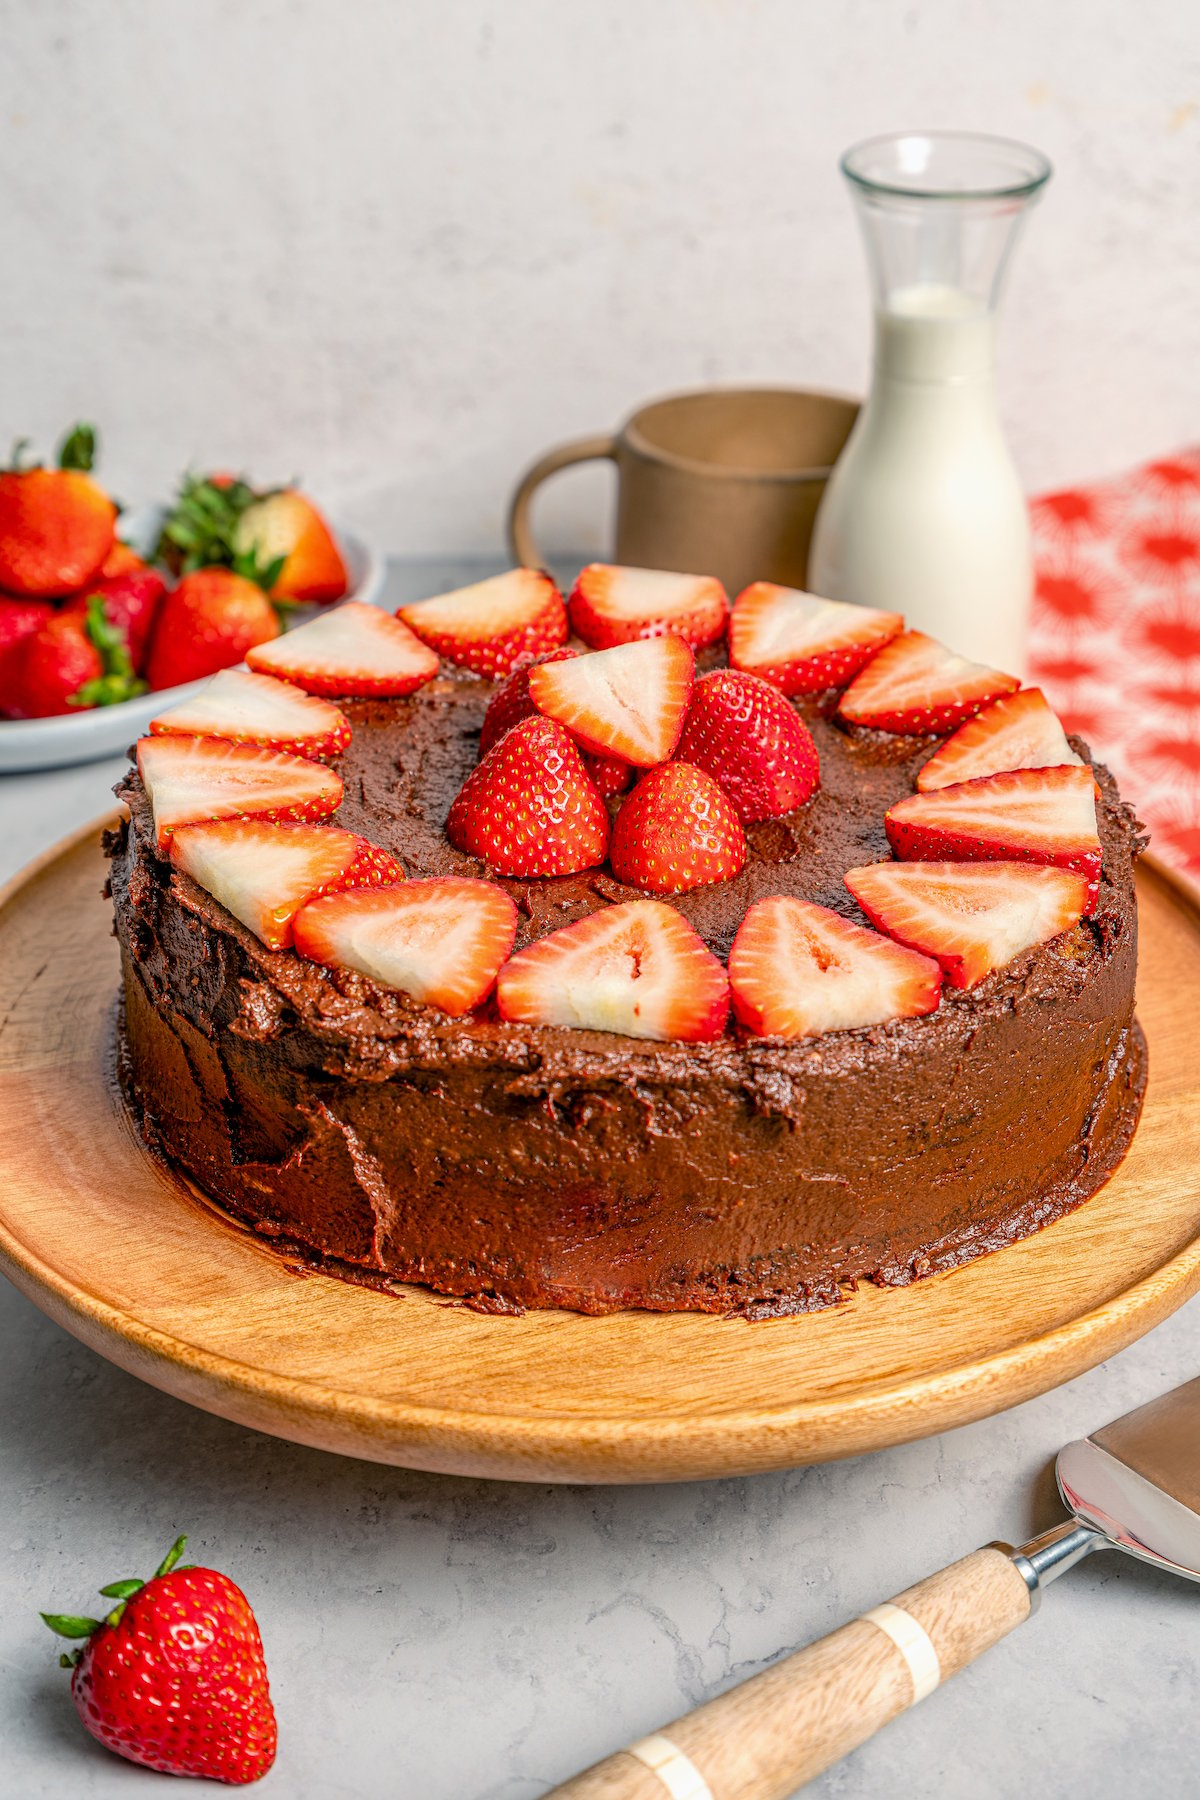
x,y
1115,636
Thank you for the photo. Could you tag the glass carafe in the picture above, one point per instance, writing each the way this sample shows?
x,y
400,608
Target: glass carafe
x,y
924,513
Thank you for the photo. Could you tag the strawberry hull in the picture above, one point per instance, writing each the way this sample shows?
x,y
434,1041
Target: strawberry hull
x,y
522,1164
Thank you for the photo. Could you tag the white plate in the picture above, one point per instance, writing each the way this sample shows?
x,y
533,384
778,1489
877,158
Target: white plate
x,y
107,730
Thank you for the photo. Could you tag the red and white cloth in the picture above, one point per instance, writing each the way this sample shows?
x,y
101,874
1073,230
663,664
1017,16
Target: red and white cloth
x,y
1115,638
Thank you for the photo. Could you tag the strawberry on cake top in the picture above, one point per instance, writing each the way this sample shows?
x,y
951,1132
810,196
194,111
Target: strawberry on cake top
x,y
603,974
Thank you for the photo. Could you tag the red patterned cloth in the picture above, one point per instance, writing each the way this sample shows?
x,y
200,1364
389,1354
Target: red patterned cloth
x,y
1115,639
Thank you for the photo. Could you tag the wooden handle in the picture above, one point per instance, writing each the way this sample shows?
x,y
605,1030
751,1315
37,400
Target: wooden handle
x,y
766,1738
520,534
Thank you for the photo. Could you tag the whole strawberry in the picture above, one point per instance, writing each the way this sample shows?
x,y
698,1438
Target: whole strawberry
x,y
71,663
131,600
530,808
285,533
18,618
174,1677
676,831
56,525
207,623
752,741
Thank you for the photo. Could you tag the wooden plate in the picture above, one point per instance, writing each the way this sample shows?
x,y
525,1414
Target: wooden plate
x,y
123,1256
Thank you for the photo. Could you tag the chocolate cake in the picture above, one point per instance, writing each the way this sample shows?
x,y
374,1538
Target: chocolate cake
x,y
537,1166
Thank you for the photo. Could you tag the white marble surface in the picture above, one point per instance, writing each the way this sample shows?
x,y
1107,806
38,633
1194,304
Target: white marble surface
x,y
399,249
443,1639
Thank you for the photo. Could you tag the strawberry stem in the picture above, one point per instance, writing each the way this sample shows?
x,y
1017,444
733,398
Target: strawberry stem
x,y
121,1590
78,449
118,682
171,1558
70,1625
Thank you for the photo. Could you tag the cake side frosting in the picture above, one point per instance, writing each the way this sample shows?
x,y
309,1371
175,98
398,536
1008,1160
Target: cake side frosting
x,y
541,1166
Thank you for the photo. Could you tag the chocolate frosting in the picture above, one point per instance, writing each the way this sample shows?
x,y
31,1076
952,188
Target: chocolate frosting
x,y
536,1166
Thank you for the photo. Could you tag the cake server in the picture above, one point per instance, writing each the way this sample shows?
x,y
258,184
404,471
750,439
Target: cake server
x,y
1133,1486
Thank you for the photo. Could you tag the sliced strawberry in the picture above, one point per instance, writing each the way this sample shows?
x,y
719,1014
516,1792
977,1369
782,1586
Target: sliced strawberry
x,y
489,626
612,605
610,774
915,685
1019,731
677,830
797,970
1026,815
529,808
752,742
973,917
511,702
638,969
262,873
801,643
352,650
257,709
440,941
629,701
191,780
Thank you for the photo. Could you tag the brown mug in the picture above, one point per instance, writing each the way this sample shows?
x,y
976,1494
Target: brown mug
x,y
722,482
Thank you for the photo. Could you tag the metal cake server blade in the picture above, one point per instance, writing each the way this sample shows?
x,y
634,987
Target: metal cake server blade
x,y
1136,1483
1134,1486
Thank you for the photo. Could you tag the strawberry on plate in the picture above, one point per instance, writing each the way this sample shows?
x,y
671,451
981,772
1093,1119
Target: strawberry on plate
x,y
490,625
211,620
264,873
915,686
56,525
440,941
613,605
972,917
628,702
131,599
637,969
284,534
1018,731
355,651
530,808
122,559
798,970
173,1677
753,743
18,618
1034,815
191,780
71,663
801,643
257,709
676,831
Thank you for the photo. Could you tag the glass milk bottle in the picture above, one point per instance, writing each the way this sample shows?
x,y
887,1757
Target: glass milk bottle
x,y
924,513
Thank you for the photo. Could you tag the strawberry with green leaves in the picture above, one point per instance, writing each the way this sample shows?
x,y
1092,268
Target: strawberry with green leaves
x,y
276,538
130,598
174,1676
56,525
73,662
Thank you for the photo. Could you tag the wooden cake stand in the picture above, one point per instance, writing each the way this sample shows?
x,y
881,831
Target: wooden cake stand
x,y
125,1257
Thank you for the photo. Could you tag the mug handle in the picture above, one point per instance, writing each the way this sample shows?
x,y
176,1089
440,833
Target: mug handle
x,y
520,535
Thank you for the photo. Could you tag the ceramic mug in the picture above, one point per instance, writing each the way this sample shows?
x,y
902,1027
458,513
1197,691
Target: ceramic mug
x,y
722,482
